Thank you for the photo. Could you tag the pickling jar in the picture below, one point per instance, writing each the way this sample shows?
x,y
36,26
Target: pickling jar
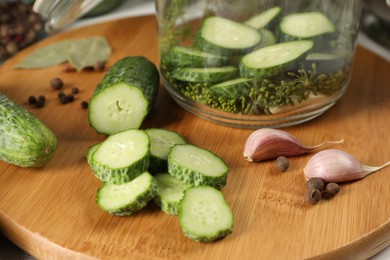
x,y
257,63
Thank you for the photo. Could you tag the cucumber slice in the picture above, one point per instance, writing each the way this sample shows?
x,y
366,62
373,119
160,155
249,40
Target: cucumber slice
x,y
91,150
232,89
121,157
269,61
226,37
326,62
127,198
161,140
180,56
125,95
264,18
306,25
267,38
204,214
212,75
170,192
197,166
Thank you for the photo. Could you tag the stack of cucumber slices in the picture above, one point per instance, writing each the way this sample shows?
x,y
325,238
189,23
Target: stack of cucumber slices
x,y
238,60
138,166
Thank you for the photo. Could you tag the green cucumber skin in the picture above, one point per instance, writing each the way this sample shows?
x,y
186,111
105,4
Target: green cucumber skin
x,y
193,177
116,175
25,141
178,57
204,45
141,202
205,238
259,73
167,206
136,71
204,75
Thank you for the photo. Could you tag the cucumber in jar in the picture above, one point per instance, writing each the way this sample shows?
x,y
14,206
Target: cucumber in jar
x,y
212,75
182,56
224,37
271,60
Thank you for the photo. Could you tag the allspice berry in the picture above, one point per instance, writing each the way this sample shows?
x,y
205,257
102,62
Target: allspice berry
x,y
315,183
312,196
331,190
282,163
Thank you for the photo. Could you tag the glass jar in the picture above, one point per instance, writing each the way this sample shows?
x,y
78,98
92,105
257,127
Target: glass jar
x,y
257,63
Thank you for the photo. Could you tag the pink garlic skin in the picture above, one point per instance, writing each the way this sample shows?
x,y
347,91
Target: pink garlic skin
x,y
266,143
333,165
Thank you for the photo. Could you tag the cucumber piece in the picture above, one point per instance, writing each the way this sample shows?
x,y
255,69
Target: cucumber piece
x,y
326,62
205,215
180,56
306,25
25,141
127,198
170,192
232,89
268,38
264,18
212,75
271,60
197,166
161,140
125,95
121,157
226,37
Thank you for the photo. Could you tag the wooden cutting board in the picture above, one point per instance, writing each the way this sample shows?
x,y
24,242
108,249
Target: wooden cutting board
x,y
51,212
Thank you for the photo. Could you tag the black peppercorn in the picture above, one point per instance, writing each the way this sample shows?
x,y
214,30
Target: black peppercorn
x,y
75,90
84,104
32,100
56,83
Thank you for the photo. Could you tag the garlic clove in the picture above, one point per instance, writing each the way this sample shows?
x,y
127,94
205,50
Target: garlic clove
x,y
333,165
267,143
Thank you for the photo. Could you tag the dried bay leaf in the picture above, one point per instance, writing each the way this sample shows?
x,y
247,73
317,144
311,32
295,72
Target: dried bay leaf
x,y
80,53
47,56
87,52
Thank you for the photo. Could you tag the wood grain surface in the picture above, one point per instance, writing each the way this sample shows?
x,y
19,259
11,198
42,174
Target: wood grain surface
x,y
51,212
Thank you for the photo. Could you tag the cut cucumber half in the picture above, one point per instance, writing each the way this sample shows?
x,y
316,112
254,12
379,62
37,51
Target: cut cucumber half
x,y
121,157
306,25
212,75
269,61
161,140
180,56
204,214
197,166
125,95
264,18
170,192
232,89
127,198
223,36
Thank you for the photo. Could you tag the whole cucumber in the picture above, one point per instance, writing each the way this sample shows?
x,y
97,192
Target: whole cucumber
x,y
25,141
